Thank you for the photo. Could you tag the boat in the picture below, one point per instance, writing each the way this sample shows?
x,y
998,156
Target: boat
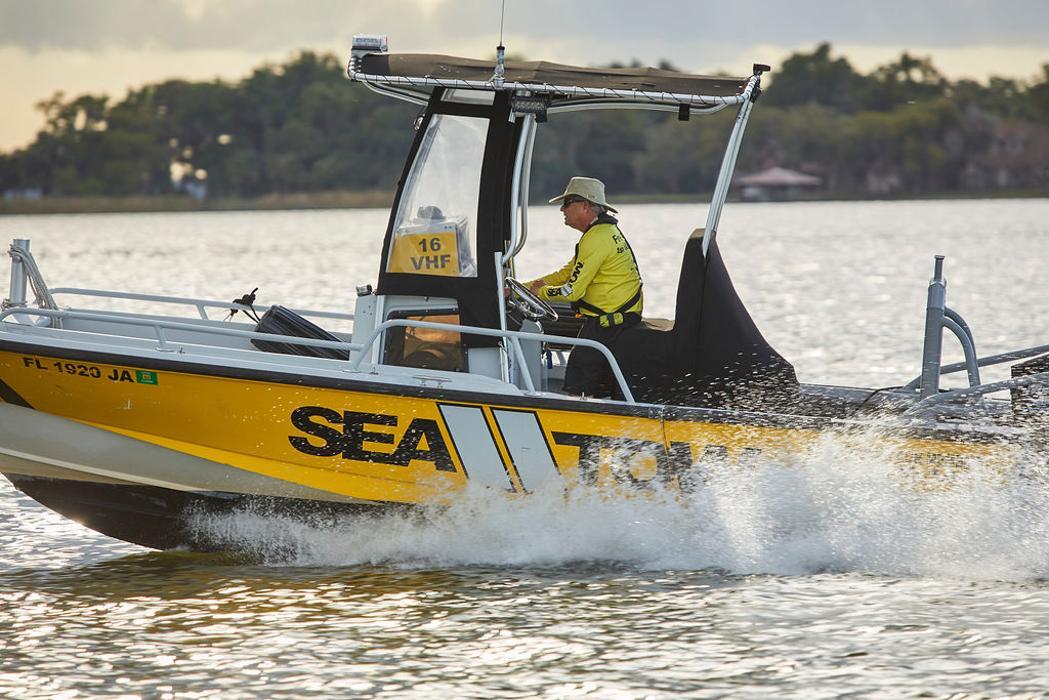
x,y
135,424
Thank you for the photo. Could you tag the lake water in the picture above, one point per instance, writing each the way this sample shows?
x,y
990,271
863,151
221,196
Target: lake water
x,y
829,579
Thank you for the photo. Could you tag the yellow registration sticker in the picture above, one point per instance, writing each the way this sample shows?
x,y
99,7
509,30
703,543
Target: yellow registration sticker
x,y
425,254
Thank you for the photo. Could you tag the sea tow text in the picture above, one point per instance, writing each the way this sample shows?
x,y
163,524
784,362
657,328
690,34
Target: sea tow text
x,y
637,463
360,436
344,433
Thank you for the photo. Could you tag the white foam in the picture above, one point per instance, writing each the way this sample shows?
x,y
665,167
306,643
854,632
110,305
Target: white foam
x,y
835,509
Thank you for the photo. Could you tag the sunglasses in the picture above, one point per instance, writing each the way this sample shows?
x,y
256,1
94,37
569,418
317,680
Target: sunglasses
x,y
569,201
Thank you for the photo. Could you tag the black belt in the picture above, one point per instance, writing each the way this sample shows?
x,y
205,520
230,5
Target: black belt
x,y
608,319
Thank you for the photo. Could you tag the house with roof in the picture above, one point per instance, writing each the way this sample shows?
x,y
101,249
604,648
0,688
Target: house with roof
x,y
776,184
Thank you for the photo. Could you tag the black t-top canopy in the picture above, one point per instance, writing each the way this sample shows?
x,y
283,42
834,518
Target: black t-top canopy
x,y
408,65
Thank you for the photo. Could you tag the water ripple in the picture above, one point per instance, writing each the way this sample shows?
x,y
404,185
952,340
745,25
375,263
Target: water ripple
x,y
826,577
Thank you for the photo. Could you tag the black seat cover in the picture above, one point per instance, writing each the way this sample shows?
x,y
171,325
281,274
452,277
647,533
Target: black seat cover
x,y
281,321
714,354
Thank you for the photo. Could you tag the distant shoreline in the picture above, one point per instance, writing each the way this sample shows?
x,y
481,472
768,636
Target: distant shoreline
x,y
378,199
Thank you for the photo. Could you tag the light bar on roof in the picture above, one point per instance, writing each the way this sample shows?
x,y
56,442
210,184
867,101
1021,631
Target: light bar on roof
x,y
369,43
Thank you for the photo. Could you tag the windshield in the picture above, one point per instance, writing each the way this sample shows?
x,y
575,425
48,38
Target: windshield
x,y
434,231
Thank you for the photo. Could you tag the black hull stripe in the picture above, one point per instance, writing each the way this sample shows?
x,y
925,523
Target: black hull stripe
x,y
673,413
9,395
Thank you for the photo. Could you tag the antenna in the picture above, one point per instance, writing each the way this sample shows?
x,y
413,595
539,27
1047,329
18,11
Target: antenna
x,y
502,16
500,52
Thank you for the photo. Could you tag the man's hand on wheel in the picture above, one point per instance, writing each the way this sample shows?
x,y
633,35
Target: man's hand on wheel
x,y
526,301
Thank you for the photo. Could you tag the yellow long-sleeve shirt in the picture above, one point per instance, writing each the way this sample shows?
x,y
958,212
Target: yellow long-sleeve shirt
x,y
603,273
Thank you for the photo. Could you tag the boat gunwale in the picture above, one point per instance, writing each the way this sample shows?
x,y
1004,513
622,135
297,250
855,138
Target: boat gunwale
x,y
535,402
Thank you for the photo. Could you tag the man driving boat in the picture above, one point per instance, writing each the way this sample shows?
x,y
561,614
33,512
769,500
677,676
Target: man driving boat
x,y
601,281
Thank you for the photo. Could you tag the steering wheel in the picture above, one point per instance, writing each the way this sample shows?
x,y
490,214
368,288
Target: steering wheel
x,y
527,304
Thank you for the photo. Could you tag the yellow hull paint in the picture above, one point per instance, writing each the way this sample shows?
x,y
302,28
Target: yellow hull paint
x,y
405,449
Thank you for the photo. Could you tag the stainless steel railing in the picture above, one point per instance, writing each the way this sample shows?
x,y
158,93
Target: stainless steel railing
x,y
201,304
165,344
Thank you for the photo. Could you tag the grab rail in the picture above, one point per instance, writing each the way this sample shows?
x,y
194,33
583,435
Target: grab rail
x,y
519,190
1041,378
200,304
513,336
984,362
728,161
159,327
640,96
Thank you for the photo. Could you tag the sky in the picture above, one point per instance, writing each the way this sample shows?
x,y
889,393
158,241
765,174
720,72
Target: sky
x,y
109,46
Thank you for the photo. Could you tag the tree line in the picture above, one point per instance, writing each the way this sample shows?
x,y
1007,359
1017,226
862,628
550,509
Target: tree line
x,y
300,127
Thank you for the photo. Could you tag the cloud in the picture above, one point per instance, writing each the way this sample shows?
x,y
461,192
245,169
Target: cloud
x,y
108,46
251,25
607,27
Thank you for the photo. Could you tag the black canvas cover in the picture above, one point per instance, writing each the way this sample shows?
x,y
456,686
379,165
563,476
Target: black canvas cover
x,y
713,355
281,321
546,73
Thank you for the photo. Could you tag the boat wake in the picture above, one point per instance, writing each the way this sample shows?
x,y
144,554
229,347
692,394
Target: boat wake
x,y
836,509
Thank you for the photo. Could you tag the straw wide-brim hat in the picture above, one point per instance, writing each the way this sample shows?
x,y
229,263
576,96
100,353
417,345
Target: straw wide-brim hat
x,y
588,188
